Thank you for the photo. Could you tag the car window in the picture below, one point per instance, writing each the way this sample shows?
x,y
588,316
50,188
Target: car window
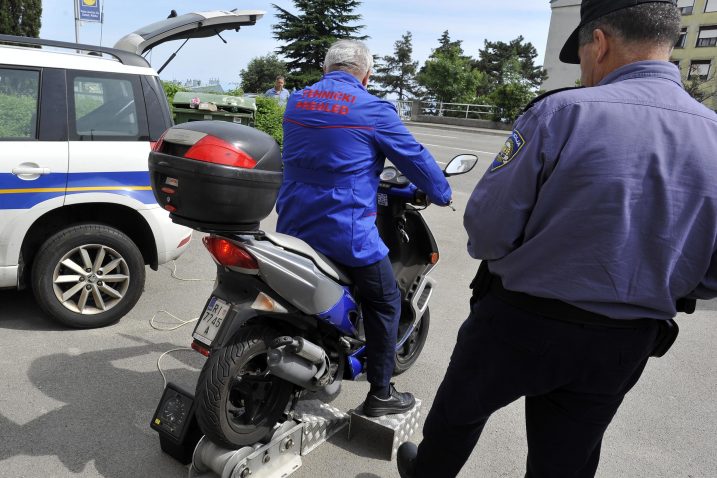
x,y
104,107
18,103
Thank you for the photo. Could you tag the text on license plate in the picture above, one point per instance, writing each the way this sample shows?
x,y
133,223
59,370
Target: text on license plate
x,y
211,320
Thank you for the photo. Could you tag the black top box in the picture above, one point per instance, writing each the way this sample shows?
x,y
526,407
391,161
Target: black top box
x,y
216,176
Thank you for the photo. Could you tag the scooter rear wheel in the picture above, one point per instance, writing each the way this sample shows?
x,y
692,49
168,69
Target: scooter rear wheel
x,y
407,355
238,402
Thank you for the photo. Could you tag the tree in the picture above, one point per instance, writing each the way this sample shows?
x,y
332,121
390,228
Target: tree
x,y
448,76
510,97
20,17
699,87
307,35
494,57
396,73
261,72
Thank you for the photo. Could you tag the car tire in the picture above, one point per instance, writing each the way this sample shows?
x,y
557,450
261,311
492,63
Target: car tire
x,y
88,276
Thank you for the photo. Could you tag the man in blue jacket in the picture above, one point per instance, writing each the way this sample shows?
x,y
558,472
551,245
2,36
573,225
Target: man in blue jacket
x,y
596,220
336,139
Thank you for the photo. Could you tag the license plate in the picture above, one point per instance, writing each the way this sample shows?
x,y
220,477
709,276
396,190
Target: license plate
x,y
211,320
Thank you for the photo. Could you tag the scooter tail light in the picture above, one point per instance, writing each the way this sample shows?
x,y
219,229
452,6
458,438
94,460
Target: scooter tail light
x,y
434,258
200,348
228,254
211,149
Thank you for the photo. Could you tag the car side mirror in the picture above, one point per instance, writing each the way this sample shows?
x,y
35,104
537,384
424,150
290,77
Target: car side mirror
x,y
461,164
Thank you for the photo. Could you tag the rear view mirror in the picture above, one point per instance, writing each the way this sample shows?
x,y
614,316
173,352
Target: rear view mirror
x,y
461,164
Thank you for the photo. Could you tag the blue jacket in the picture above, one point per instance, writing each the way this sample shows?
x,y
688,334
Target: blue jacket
x,y
605,197
336,139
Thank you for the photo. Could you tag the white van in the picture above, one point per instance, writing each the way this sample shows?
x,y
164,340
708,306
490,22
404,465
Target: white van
x,y
78,220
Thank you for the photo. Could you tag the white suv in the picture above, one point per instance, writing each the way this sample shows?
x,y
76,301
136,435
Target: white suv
x,y
78,220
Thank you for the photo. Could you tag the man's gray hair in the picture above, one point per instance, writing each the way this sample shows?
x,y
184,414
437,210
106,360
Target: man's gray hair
x,y
351,56
656,22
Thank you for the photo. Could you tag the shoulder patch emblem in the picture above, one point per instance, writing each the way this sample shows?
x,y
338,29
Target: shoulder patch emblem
x,y
511,148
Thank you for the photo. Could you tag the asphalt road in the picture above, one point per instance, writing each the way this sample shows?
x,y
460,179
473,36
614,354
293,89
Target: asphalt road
x,y
79,403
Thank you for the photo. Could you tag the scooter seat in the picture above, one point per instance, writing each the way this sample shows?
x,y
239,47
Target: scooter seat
x,y
300,247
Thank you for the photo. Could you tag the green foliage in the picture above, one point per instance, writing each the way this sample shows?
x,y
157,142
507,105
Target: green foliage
x,y
307,35
85,104
171,89
397,73
234,92
270,117
494,57
261,72
16,120
513,94
448,75
701,89
20,17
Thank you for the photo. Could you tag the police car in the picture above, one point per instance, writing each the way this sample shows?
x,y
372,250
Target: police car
x,y
78,220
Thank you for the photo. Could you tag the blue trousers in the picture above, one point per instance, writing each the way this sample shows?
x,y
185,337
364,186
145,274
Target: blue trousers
x,y
381,307
573,378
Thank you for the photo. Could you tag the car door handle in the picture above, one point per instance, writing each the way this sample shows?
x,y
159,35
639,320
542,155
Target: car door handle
x,y
28,171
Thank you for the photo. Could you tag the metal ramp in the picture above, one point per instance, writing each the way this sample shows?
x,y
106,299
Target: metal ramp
x,y
314,422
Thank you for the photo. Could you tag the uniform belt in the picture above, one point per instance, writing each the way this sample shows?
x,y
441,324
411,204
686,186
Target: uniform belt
x,y
559,310
317,177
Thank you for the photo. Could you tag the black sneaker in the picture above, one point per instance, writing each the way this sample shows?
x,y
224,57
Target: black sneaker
x,y
406,459
396,402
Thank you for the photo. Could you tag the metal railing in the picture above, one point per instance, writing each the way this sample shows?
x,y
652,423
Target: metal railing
x,y
456,110
452,110
404,109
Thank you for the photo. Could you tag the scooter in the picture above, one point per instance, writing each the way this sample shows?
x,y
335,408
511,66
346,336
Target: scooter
x,y
283,319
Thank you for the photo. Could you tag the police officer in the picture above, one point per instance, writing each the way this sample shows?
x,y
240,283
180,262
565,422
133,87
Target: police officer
x,y
597,217
336,139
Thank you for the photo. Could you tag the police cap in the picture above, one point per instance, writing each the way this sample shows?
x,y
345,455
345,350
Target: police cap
x,y
591,10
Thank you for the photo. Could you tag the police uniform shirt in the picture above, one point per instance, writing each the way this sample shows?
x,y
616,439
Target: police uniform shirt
x,y
605,197
336,139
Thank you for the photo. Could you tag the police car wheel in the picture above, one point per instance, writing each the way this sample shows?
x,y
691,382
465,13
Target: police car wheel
x,y
407,355
88,276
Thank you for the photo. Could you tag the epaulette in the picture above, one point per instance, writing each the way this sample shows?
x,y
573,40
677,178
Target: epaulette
x,y
549,93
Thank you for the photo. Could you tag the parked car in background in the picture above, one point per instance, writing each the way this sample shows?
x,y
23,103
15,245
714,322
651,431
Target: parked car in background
x,y
78,220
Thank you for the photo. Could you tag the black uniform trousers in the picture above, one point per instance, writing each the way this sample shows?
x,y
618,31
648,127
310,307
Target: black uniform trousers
x,y
573,377
381,308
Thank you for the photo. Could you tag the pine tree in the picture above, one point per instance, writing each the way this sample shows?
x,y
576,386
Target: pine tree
x,y
494,57
396,73
308,34
20,17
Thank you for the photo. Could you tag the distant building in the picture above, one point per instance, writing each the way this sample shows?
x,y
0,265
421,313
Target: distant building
x,y
564,18
212,86
695,52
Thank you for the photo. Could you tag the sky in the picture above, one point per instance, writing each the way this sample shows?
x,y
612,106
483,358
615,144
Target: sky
x,y
471,21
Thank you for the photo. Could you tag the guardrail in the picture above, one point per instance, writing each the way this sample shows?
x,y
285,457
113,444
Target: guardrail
x,y
438,108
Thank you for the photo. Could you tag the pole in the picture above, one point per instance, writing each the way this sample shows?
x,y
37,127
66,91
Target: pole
x,y
102,22
77,22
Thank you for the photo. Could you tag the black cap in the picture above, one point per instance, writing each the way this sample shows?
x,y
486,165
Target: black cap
x,y
592,10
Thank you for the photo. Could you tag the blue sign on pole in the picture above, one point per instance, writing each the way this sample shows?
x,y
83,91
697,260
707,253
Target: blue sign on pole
x,y
90,10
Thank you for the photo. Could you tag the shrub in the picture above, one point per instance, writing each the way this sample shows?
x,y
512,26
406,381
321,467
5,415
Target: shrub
x,y
18,115
269,118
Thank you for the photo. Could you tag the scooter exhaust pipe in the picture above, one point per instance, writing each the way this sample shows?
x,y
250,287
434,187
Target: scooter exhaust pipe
x,y
300,362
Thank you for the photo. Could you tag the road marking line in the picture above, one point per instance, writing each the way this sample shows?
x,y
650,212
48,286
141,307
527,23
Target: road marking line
x,y
436,135
459,149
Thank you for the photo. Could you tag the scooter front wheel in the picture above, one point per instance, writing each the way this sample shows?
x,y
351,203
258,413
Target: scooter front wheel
x,y
407,354
238,401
